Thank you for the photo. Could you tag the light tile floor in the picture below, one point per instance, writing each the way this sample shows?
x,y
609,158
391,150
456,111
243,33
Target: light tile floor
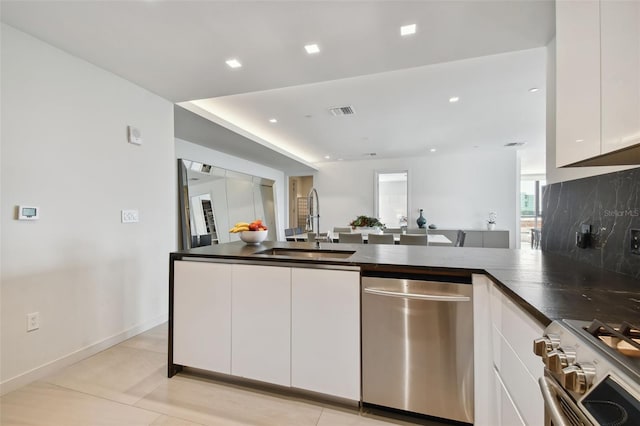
x,y
127,385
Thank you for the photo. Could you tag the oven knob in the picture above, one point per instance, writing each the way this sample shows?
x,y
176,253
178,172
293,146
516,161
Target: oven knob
x,y
543,345
577,377
559,358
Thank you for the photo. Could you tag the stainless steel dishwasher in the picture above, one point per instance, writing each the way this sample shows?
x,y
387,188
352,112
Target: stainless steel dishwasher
x,y
417,344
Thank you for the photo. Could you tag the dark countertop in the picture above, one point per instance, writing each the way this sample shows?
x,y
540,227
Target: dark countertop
x,y
546,285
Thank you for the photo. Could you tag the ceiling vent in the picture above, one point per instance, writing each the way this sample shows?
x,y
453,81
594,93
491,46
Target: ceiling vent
x,y
344,110
514,144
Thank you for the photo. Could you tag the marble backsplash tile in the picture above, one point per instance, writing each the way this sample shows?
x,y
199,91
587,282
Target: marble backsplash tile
x,y
610,204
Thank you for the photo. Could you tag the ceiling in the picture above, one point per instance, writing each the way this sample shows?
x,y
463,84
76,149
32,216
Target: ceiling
x,y
178,50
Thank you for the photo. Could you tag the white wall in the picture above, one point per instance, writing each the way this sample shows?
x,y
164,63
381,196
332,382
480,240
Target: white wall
x,y
192,151
555,174
456,190
94,280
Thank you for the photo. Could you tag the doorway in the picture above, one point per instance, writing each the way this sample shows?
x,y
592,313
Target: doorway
x,y
299,187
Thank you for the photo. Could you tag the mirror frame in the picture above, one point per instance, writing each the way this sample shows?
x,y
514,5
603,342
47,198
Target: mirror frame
x,y
184,200
376,192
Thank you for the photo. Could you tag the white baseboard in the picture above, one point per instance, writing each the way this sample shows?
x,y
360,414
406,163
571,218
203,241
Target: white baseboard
x,y
57,364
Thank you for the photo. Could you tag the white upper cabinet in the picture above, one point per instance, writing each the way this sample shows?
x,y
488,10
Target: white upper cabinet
x,y
620,50
597,82
577,81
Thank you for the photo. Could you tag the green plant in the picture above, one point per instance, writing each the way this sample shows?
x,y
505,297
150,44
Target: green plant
x,y
366,221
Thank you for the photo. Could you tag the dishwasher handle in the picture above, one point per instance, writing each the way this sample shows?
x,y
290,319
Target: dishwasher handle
x,y
418,296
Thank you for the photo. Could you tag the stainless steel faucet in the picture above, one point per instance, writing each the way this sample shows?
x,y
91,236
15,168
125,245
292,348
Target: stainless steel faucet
x,y
314,211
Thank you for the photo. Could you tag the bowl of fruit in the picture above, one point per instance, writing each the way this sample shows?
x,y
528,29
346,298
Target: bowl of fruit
x,y
251,233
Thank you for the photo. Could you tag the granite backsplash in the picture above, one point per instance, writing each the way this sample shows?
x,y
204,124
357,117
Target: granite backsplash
x,y
610,203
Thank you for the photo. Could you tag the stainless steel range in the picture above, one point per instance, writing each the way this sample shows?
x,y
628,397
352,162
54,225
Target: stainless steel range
x,y
592,373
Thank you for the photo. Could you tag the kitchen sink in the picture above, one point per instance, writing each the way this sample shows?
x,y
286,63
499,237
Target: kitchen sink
x,y
308,253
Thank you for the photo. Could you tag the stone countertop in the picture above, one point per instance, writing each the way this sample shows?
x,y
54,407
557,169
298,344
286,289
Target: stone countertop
x,y
548,286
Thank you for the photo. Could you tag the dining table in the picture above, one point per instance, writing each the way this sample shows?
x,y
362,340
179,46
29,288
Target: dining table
x,y
433,239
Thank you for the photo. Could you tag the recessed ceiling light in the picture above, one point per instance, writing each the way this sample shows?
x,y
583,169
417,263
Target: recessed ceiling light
x,y
273,120
234,63
327,157
454,99
534,89
312,48
579,140
406,30
433,150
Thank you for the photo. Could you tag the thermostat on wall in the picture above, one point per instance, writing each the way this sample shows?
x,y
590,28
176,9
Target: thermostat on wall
x,y
135,136
28,213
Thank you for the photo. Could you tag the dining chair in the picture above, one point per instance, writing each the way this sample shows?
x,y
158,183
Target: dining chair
x,y
289,234
380,239
413,239
348,237
392,230
417,231
535,238
338,229
323,236
205,240
460,238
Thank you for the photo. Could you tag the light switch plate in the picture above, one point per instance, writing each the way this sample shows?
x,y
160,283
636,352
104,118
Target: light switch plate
x,y
130,216
135,136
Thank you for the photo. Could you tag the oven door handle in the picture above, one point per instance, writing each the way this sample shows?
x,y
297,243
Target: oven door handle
x,y
551,403
418,296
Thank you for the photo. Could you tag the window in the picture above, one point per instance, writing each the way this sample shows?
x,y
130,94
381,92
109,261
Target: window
x,y
391,197
530,209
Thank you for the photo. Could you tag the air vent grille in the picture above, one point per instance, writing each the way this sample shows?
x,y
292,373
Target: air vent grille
x,y
343,110
514,144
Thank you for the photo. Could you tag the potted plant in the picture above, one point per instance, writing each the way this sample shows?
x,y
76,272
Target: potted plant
x,y
491,222
367,224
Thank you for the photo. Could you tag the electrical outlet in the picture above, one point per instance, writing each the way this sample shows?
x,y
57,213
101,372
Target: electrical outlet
x,y
130,216
33,321
635,241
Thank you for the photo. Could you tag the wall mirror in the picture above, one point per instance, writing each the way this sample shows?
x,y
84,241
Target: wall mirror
x,y
391,197
213,199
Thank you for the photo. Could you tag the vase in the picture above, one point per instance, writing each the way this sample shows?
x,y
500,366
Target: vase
x,y
421,220
491,226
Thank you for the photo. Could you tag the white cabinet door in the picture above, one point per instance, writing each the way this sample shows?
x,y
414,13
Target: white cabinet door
x,y
261,323
620,51
503,338
325,331
495,239
202,315
508,414
486,398
577,81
